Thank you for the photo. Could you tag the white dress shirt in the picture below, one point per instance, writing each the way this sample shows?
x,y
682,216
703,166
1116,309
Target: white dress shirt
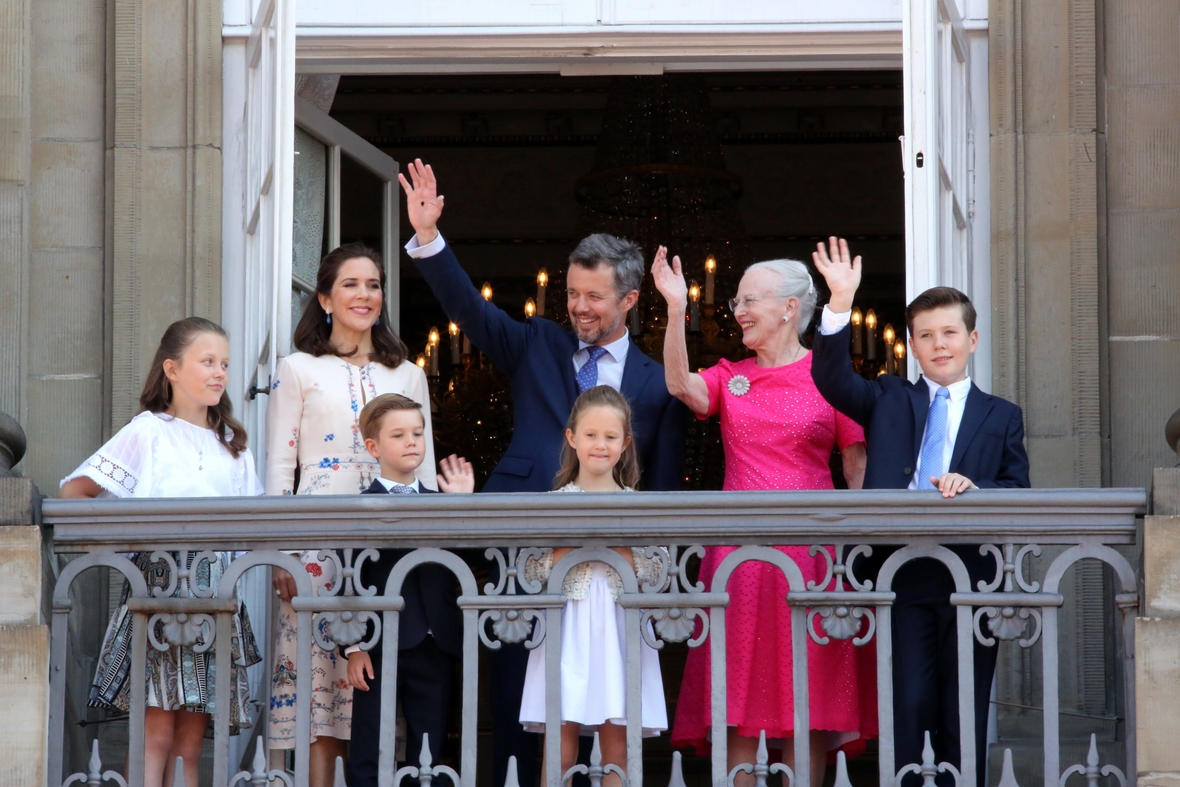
x,y
610,365
831,322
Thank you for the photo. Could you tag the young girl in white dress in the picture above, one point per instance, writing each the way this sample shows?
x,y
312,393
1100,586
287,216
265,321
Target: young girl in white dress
x,y
184,443
598,456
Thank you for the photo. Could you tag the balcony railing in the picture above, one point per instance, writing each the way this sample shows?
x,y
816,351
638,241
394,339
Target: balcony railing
x,y
1014,606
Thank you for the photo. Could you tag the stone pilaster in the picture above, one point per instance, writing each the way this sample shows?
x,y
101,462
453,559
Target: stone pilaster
x,y
1045,210
166,180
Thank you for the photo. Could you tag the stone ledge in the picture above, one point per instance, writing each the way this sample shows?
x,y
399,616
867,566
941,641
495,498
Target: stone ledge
x,y
20,502
1165,491
1161,566
21,567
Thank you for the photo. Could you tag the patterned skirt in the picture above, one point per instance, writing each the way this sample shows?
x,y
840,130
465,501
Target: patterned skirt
x,y
179,678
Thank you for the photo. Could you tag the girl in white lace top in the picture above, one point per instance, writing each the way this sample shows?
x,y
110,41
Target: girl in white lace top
x,y
184,443
598,456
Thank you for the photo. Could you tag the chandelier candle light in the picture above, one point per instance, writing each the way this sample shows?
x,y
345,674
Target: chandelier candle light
x,y
453,330
888,335
432,342
899,353
858,333
486,291
530,308
710,273
871,324
542,285
694,306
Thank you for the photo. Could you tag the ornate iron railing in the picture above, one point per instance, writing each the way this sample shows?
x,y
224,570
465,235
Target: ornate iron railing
x,y
1012,606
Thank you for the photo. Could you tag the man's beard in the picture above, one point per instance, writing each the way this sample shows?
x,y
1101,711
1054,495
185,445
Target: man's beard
x,y
598,335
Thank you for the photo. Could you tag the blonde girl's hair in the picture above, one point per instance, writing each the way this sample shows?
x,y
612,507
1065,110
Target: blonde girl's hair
x,y
157,389
626,472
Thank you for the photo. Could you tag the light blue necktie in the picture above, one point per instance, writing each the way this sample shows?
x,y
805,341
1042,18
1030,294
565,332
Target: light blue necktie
x,y
402,489
588,374
934,443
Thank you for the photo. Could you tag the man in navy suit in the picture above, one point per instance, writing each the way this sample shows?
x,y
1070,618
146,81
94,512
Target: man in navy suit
x,y
942,433
549,366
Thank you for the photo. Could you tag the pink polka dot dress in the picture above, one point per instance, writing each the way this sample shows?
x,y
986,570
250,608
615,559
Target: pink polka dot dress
x,y
778,433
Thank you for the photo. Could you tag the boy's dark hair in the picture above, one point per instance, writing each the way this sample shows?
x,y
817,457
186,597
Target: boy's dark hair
x,y
376,410
936,298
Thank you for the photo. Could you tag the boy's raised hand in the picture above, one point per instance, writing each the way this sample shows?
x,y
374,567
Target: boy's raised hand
x,y
423,202
360,664
457,475
841,272
669,279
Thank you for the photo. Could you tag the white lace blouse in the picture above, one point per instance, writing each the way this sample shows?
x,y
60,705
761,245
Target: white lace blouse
x,y
312,423
156,455
577,580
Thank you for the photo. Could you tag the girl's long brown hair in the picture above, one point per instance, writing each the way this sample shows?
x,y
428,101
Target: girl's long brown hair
x,y
157,388
626,472
313,334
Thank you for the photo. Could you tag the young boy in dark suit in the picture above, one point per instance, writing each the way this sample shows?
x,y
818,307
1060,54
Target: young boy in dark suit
x,y
942,433
430,629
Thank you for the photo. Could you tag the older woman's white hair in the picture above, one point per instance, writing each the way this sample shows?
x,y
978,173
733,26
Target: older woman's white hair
x,y
792,281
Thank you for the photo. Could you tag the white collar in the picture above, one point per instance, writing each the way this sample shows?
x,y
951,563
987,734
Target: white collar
x,y
616,349
385,482
958,391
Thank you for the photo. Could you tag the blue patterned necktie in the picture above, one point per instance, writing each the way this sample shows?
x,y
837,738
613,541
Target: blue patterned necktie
x,y
402,489
588,374
934,443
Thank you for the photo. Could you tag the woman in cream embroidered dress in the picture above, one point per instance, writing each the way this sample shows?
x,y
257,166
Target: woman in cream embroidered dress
x,y
348,355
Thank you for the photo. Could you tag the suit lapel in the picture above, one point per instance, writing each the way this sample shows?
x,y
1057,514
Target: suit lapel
x,y
920,400
975,409
635,372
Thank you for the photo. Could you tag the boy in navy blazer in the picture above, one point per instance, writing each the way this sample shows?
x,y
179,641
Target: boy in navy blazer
x,y
430,629
942,433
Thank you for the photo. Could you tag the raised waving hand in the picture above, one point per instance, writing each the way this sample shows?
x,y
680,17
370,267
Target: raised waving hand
x,y
669,279
840,270
423,202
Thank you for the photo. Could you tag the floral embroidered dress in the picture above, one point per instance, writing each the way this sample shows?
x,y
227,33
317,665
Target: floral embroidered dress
x,y
313,436
156,455
778,433
593,650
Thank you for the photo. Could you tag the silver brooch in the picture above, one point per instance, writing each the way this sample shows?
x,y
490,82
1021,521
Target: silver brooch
x,y
739,385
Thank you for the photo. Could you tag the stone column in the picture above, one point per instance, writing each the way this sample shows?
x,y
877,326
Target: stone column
x,y
24,637
1045,209
1157,639
165,181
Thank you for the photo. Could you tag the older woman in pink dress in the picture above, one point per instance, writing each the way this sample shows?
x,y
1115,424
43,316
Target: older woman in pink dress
x,y
778,433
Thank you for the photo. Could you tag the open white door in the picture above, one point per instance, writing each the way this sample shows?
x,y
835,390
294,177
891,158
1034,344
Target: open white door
x,y
937,147
270,129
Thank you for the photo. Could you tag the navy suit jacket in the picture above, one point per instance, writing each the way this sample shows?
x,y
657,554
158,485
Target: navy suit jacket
x,y
989,447
430,593
537,356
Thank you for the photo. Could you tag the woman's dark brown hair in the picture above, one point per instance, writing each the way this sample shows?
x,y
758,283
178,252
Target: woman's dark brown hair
x,y
626,472
157,388
313,334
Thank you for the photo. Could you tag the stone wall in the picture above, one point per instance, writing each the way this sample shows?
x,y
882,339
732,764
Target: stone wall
x,y
24,638
110,207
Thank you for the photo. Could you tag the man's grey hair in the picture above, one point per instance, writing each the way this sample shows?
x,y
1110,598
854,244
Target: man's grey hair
x,y
793,281
623,256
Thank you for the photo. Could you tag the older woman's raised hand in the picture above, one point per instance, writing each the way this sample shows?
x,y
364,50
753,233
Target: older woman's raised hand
x,y
841,272
669,279
424,204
